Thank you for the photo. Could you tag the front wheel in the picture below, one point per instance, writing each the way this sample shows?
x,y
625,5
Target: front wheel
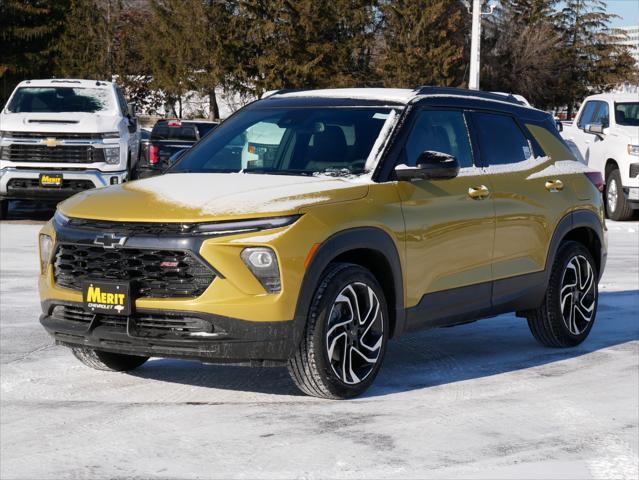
x,y
345,336
568,312
108,361
617,205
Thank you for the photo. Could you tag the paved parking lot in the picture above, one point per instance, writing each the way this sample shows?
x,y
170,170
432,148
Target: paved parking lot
x,y
481,400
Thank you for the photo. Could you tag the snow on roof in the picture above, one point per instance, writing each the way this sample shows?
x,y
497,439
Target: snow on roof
x,y
400,95
64,82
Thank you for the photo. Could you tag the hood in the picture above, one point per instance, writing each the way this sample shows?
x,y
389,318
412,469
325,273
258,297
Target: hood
x,y
626,132
71,122
197,197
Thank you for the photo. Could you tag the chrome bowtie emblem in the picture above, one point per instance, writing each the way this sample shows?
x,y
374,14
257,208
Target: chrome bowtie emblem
x,y
110,240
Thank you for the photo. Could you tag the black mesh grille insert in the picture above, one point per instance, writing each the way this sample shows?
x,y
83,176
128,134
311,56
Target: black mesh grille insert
x,y
154,273
42,153
144,325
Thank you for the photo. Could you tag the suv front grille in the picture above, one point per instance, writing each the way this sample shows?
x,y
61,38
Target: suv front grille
x,y
143,324
130,228
42,153
153,273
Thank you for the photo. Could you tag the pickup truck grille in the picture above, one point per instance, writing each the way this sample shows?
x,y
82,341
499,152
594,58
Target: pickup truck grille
x,y
153,273
60,135
42,153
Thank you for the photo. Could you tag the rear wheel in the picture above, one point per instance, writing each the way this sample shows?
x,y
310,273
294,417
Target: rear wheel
x,y
568,312
107,361
617,205
345,336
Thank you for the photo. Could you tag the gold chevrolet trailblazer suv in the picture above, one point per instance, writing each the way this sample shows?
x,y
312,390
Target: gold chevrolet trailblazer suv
x,y
311,227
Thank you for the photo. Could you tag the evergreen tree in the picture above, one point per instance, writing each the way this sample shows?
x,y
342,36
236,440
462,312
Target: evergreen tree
x,y
592,59
304,44
28,30
87,47
423,42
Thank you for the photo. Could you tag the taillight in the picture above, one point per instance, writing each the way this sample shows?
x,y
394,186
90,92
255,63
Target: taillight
x,y
153,154
596,179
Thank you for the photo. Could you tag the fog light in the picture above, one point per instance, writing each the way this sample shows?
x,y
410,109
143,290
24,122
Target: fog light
x,y
262,262
114,180
46,245
112,155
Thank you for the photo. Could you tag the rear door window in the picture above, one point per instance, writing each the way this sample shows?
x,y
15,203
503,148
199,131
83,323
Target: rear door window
x,y
439,131
501,140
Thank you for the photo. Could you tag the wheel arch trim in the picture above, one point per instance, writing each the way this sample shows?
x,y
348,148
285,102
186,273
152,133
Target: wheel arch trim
x,y
359,238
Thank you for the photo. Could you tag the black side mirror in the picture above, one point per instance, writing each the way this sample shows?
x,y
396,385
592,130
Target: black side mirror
x,y
595,129
430,166
559,125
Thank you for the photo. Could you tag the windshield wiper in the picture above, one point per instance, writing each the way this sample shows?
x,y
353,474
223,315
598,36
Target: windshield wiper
x,y
274,171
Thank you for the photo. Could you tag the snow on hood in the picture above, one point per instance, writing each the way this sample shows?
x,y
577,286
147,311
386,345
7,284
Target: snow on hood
x,y
77,122
210,196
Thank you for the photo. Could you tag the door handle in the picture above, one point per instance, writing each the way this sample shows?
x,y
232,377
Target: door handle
x,y
554,185
478,193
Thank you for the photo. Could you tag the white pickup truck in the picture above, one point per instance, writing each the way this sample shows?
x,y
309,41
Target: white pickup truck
x,y
62,136
606,133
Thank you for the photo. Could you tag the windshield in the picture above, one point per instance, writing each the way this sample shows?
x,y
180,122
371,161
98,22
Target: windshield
x,y
61,99
627,114
293,141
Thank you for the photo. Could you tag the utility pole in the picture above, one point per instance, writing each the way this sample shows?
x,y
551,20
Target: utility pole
x,y
475,42
475,45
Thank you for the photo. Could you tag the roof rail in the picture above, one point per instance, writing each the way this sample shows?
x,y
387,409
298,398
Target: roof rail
x,y
270,93
502,97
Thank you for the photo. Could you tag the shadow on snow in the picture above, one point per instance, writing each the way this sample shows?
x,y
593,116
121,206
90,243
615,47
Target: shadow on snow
x,y
434,357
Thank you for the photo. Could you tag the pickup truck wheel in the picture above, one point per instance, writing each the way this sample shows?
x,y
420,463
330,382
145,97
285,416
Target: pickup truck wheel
x,y
345,338
568,311
617,205
107,361
4,209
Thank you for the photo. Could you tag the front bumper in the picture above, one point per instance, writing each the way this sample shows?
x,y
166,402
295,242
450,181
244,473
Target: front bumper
x,y
22,183
228,340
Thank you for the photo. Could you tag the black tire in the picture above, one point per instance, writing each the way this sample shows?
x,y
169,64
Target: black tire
x,y
107,361
4,209
310,367
617,205
548,323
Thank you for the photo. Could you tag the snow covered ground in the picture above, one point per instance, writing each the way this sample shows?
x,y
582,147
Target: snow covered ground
x,y
476,401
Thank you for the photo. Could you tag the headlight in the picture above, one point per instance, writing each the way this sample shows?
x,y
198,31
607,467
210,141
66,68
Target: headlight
x,y
241,226
112,155
633,150
46,245
262,262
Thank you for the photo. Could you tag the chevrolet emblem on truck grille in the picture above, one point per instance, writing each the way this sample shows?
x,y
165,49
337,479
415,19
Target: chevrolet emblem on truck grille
x,y
110,240
50,142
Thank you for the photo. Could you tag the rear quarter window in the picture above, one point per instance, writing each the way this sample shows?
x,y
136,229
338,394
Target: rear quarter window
x,y
552,146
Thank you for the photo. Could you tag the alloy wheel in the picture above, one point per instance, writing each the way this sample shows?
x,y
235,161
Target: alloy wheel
x,y
578,294
355,333
612,195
